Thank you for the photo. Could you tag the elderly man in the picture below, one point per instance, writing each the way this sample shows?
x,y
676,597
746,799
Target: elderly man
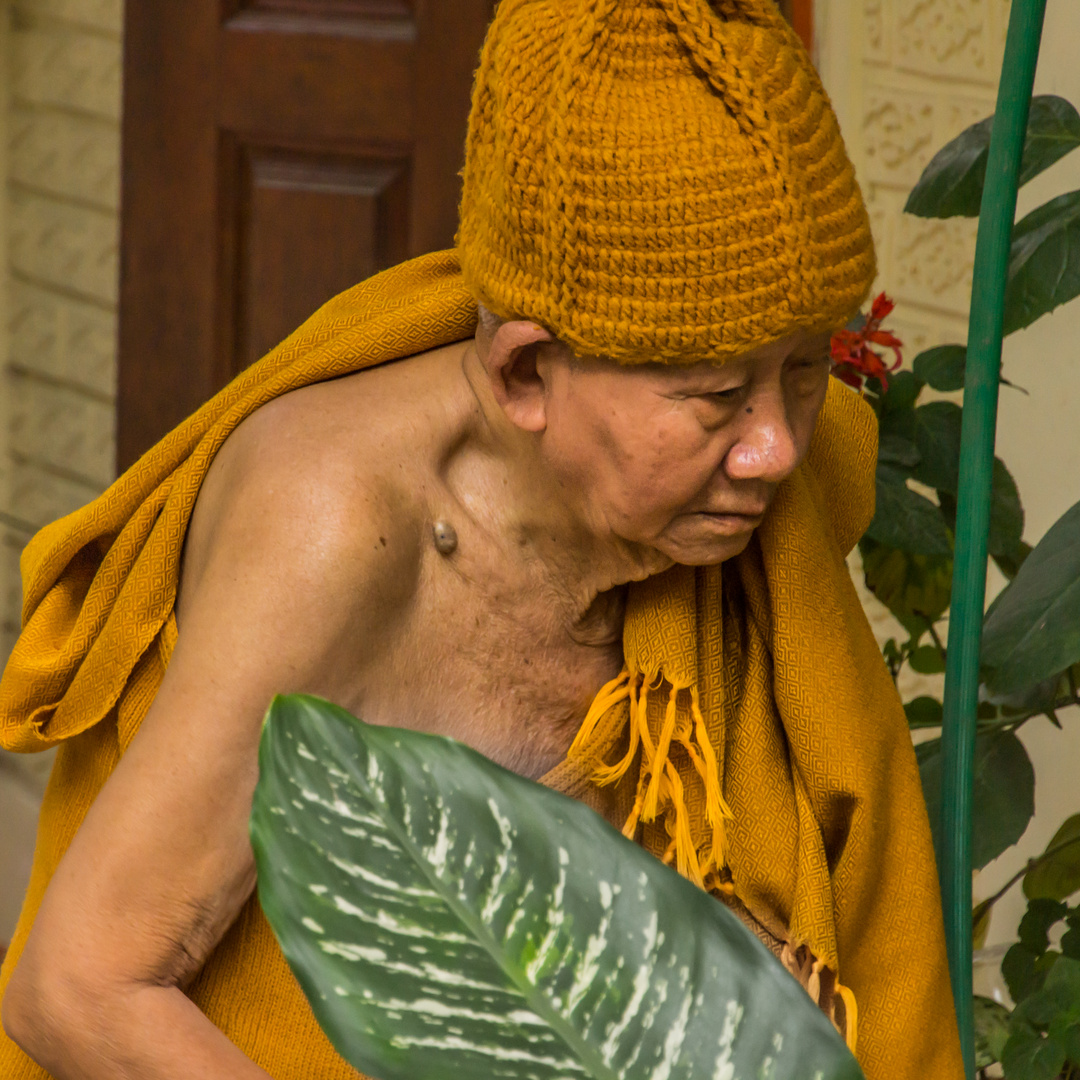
x,y
597,532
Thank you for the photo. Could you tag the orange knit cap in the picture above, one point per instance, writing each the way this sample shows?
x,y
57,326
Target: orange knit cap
x,y
658,180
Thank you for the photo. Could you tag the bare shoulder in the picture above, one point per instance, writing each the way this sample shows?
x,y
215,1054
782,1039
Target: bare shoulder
x,y
307,540
314,488
305,548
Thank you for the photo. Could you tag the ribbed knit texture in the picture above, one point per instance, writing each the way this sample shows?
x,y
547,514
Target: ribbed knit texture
x,y
828,845
658,180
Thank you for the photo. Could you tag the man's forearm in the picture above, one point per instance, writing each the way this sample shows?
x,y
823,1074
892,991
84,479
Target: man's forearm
x,y
145,1033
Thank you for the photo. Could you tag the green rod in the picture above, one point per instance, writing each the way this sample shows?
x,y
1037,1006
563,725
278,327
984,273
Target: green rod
x,y
973,509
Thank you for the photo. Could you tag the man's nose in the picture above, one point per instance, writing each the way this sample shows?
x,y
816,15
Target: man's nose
x,y
765,448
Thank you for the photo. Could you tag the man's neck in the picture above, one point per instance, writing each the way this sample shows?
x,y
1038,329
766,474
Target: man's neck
x,y
545,514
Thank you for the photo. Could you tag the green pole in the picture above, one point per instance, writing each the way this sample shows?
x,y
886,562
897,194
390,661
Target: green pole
x,y
973,509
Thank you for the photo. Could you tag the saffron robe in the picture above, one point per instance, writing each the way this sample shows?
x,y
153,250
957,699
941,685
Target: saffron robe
x,y
755,740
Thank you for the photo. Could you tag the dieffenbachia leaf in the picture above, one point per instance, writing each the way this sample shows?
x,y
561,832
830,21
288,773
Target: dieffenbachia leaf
x,y
447,918
952,184
1032,630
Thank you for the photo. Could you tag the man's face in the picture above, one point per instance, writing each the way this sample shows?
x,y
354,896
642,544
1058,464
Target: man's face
x,y
685,460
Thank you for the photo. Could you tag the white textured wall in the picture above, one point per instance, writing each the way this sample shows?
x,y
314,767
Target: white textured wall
x,y
63,194
60,65
907,76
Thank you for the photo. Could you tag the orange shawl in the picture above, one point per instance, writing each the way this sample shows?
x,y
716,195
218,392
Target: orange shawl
x,y
755,740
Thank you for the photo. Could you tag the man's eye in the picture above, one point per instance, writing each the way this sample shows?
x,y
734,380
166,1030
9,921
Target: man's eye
x,y
725,395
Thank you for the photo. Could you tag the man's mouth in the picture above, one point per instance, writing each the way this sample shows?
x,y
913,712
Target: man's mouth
x,y
752,514
736,521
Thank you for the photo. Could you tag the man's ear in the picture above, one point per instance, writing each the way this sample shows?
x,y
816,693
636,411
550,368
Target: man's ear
x,y
511,366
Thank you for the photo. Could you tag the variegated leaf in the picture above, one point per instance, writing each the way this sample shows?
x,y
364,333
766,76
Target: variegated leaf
x,y
447,918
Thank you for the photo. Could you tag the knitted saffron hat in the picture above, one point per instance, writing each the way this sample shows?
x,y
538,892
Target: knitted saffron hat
x,y
658,180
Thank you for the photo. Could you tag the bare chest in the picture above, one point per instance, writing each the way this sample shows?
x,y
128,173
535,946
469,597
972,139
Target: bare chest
x,y
485,655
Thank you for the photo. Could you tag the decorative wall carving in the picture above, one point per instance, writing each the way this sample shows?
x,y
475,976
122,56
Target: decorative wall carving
x,y
104,15
945,38
72,157
67,67
70,248
875,29
932,263
67,340
899,135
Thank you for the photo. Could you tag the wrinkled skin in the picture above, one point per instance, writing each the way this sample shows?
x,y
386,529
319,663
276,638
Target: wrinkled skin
x,y
310,567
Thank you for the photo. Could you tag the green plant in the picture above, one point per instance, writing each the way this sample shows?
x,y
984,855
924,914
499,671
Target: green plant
x,y
1031,637
446,917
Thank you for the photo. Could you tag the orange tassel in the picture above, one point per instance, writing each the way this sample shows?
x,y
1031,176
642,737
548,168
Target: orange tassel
x,y
659,757
850,1015
611,693
660,791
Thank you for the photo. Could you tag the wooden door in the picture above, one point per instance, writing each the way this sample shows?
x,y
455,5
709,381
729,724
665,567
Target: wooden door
x,y
275,153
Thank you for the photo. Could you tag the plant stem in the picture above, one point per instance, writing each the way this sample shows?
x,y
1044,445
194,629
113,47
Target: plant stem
x,y
992,250
937,640
1031,864
1014,723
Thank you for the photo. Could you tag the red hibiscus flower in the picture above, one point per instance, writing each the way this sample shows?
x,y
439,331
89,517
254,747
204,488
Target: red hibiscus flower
x,y
853,360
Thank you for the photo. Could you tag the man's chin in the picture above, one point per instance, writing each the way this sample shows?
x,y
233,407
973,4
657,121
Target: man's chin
x,y
706,547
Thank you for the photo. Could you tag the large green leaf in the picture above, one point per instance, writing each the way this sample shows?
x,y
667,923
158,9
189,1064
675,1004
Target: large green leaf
x,y
1044,263
923,712
945,368
1006,520
1025,970
915,588
937,435
952,184
1006,515
1032,630
927,660
897,450
1046,1026
1003,799
903,392
447,918
1057,876
1029,1055
905,520
942,367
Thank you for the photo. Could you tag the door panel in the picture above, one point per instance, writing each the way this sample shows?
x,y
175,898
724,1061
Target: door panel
x,y
311,225
280,82
275,152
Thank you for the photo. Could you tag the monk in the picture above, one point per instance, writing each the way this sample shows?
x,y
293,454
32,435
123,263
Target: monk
x,y
591,522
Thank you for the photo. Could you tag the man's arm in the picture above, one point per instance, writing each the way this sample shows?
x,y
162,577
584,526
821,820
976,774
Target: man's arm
x,y
274,600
